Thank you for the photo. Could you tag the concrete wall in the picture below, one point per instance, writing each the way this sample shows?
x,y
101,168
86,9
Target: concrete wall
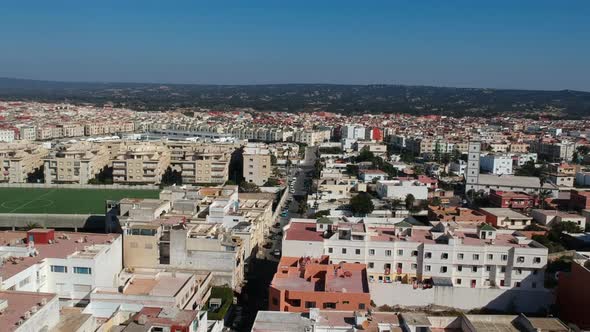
x,y
462,298
70,221
47,316
79,186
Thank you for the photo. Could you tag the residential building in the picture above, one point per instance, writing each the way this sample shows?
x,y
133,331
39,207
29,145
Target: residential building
x,y
76,163
455,214
19,160
496,164
304,283
151,319
506,218
511,199
579,199
140,163
400,189
7,135
462,257
319,320
66,263
208,163
552,217
370,175
257,164
28,311
562,175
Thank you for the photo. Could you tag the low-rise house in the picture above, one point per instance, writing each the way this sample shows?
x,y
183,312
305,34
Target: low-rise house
x,y
506,218
552,217
511,199
455,214
370,175
400,189
304,283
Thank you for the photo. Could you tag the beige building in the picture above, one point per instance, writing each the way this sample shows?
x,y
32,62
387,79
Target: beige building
x,y
77,163
257,165
72,130
201,163
142,163
18,160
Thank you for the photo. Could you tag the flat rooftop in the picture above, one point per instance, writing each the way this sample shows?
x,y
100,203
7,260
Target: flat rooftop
x,y
505,213
66,244
18,304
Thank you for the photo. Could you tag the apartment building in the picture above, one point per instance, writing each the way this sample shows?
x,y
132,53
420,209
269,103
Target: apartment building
x,y
71,130
562,175
496,164
511,199
478,258
176,245
201,163
19,160
76,163
143,163
27,133
257,164
68,264
7,135
304,283
311,137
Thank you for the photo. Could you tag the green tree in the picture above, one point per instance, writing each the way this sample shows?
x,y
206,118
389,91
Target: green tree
x,y
361,204
410,201
271,182
247,187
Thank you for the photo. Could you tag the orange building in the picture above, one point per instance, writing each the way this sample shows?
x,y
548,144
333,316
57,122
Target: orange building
x,y
456,214
304,283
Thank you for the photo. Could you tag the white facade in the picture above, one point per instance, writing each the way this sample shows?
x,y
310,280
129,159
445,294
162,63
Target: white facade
x,y
6,135
494,259
353,132
459,168
496,164
399,189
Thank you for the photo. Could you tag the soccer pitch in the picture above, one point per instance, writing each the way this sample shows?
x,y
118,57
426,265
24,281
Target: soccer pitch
x,y
64,201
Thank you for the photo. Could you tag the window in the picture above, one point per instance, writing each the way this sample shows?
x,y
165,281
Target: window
x,y
444,255
460,256
460,268
427,267
329,305
310,304
517,284
357,251
503,269
371,252
443,269
458,281
476,257
502,282
520,259
474,268
537,260
387,252
414,253
490,256
428,255
148,246
400,252
414,266
330,250
59,269
504,258
82,270
344,250
371,265
24,282
345,302
488,268
361,306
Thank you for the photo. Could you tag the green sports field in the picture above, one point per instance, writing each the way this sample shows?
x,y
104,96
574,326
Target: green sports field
x,y
67,201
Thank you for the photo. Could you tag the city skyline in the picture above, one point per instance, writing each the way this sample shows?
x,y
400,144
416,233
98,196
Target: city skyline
x,y
502,45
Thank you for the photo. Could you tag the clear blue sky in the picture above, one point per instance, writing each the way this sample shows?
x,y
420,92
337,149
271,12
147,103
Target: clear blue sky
x,y
501,44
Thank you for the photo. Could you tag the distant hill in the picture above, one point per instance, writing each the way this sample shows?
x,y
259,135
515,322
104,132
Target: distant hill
x,y
307,97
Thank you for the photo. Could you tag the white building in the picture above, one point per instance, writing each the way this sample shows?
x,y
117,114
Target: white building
x,y
552,217
353,132
476,258
496,164
459,168
68,264
6,135
400,189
